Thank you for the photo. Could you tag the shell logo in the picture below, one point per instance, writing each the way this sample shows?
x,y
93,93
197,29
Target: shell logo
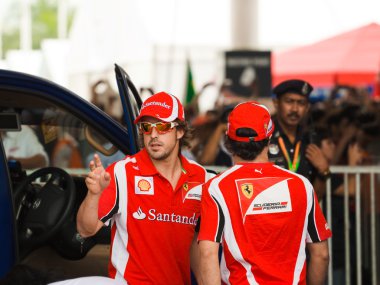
x,y
144,185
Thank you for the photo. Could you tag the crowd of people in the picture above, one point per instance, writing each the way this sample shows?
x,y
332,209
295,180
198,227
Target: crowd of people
x,y
350,114
309,137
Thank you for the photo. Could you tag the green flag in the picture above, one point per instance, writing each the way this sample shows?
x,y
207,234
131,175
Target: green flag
x,y
190,90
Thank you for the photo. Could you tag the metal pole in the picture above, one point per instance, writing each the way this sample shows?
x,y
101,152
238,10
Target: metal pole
x,y
358,231
373,229
329,221
347,227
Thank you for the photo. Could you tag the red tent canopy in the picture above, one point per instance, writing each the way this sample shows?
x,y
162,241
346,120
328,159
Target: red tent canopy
x,y
350,58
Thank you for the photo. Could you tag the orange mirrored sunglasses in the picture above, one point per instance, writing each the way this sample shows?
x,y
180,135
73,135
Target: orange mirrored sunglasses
x,y
161,127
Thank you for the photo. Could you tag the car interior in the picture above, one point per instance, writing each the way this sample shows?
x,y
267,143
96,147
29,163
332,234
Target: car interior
x,y
47,236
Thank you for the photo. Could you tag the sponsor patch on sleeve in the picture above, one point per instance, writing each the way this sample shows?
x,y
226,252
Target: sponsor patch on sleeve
x,y
192,191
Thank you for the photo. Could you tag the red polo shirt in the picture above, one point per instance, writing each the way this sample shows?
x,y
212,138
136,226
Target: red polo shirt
x,y
152,223
264,215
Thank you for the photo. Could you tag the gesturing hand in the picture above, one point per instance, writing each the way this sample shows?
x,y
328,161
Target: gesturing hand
x,y
355,154
316,157
98,179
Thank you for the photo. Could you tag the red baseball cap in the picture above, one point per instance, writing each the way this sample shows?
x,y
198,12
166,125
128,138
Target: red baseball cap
x,y
162,106
249,121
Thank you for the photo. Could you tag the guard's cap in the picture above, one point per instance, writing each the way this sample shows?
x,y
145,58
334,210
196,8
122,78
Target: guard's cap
x,y
293,86
249,121
162,106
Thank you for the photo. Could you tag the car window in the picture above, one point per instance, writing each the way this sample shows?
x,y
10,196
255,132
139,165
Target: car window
x,y
66,141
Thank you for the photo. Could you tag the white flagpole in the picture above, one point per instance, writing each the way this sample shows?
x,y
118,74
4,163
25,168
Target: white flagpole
x,y
25,26
62,19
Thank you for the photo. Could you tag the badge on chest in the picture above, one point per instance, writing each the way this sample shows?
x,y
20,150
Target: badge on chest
x,y
144,185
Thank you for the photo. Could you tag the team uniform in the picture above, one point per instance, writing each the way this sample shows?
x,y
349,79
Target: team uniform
x,y
155,223
264,215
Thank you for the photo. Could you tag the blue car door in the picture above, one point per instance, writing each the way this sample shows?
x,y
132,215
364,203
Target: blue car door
x,y
8,237
13,84
131,103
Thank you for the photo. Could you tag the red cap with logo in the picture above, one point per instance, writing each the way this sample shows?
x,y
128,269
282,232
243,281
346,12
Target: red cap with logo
x,y
249,121
162,106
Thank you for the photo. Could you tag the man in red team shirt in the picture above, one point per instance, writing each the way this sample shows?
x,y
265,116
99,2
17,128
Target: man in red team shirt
x,y
152,200
265,216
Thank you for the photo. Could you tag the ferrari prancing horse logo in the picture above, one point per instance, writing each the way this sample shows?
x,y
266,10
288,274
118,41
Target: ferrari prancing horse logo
x,y
247,189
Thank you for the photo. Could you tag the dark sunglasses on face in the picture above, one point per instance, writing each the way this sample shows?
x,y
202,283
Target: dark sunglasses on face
x,y
161,127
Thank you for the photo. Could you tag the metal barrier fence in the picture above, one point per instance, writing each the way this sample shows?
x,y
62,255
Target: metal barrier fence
x,y
359,172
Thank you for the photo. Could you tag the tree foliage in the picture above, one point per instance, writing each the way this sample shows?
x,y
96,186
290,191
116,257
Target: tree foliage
x,y
44,15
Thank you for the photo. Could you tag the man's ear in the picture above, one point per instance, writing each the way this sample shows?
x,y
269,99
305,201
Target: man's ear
x,y
308,107
180,133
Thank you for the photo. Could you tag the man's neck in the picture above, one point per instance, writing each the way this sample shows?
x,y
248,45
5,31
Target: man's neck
x,y
261,158
170,168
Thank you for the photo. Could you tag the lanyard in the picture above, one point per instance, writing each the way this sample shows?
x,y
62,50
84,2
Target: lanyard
x,y
292,165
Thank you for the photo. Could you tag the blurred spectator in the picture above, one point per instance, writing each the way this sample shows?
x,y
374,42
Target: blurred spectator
x,y
107,100
291,146
209,136
229,97
192,108
25,147
66,152
341,120
355,124
214,152
355,157
103,96
202,126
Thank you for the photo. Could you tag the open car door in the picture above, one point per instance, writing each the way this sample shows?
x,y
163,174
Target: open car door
x,y
131,103
8,236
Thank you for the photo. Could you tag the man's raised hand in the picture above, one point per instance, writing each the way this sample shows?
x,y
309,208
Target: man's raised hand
x,y
98,179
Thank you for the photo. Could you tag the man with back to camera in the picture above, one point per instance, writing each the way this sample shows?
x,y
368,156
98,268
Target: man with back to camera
x,y
291,146
264,215
152,200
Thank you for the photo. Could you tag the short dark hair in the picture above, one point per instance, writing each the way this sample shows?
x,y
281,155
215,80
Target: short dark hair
x,y
188,133
245,150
